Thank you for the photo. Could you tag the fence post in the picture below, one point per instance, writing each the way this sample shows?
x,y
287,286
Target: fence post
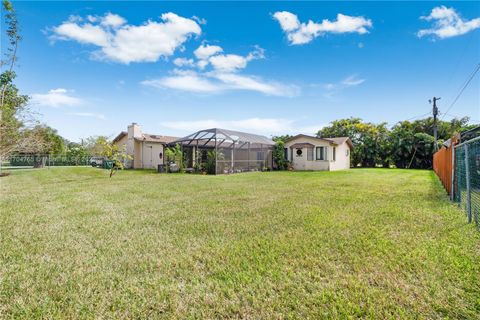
x,y
467,177
452,192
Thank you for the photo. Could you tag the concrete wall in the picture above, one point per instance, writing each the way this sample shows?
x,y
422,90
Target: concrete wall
x,y
342,160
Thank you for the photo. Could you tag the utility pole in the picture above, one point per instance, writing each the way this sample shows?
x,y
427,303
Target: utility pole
x,y
435,113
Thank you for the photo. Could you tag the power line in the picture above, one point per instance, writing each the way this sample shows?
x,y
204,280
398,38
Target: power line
x,y
422,115
470,78
465,49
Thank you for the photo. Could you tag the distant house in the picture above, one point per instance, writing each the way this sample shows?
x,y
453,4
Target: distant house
x,y
312,153
146,150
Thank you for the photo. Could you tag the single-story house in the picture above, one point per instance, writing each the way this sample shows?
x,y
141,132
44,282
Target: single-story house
x,y
146,150
312,153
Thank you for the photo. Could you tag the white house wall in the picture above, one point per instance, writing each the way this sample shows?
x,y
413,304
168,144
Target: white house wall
x,y
146,155
341,162
151,154
125,144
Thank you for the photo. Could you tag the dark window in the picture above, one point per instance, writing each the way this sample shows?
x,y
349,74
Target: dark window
x,y
286,153
320,153
334,154
299,152
160,155
260,155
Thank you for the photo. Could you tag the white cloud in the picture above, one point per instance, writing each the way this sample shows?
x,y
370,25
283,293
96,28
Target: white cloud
x,y
300,33
185,81
56,98
254,125
113,20
265,126
86,34
183,62
124,43
200,21
202,64
352,81
222,76
228,62
218,82
89,18
288,21
89,115
234,62
447,23
244,82
332,89
206,51
210,54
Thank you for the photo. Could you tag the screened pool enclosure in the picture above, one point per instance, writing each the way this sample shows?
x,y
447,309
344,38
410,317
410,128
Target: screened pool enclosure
x,y
221,151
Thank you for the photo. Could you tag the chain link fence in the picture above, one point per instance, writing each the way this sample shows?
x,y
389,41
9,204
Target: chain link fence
x,y
42,161
466,181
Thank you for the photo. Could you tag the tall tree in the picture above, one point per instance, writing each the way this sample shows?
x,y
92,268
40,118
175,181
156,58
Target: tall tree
x,y
279,154
94,145
366,138
13,35
48,140
14,113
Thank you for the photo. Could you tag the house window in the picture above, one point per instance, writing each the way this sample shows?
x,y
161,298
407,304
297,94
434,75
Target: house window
x,y
299,152
334,153
320,153
260,155
310,154
285,150
347,152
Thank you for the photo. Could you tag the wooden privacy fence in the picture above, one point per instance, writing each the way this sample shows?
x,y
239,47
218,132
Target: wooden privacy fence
x,y
442,165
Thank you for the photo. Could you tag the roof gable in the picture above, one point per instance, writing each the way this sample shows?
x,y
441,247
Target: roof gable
x,y
147,137
119,136
335,141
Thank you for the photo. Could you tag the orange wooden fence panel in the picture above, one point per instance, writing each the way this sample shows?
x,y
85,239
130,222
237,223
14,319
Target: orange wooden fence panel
x,y
442,165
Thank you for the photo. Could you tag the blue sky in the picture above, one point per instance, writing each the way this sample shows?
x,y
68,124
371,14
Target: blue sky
x,y
94,67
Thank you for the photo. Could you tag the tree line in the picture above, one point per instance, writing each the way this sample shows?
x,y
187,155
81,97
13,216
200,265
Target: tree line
x,y
408,144
21,132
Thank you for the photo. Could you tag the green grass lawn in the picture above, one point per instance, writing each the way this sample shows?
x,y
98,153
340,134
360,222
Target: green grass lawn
x,y
371,243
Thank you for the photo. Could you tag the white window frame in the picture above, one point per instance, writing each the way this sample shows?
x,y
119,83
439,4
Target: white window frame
x,y
310,155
